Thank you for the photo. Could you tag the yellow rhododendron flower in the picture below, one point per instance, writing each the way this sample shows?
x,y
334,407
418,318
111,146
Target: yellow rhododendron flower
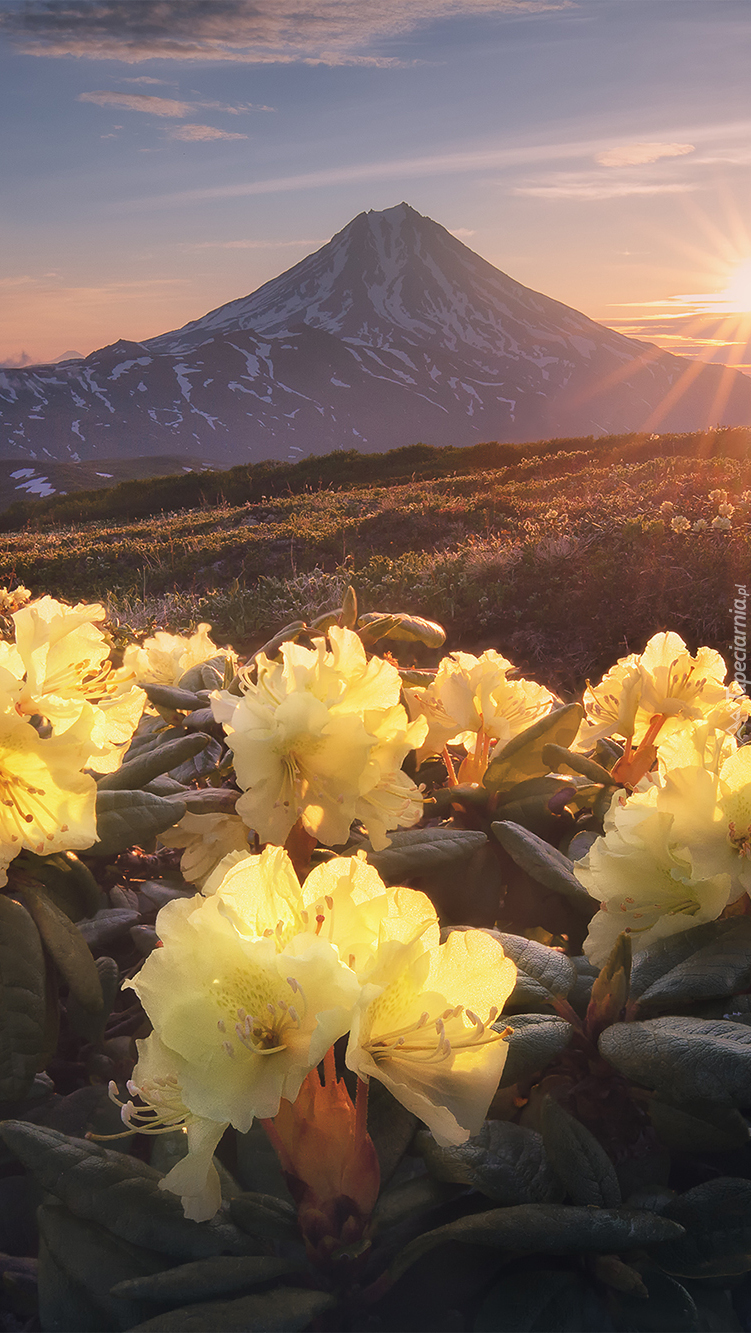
x,y
207,839
156,1083
672,856
660,691
472,699
422,1026
61,658
163,658
249,1014
47,804
321,737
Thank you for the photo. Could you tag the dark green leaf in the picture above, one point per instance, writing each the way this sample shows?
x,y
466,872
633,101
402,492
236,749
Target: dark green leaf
x,y
172,696
68,882
543,974
547,1228
67,946
205,1278
557,757
137,771
660,958
578,1159
690,1058
200,764
283,1310
411,629
257,1167
698,1126
22,1003
668,1309
717,1221
543,1300
108,926
128,818
536,1039
522,757
721,967
264,1216
391,1127
94,1262
531,805
420,851
208,675
505,1162
543,863
89,1025
411,1200
117,1192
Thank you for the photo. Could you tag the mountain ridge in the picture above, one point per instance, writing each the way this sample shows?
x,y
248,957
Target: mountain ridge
x,y
392,332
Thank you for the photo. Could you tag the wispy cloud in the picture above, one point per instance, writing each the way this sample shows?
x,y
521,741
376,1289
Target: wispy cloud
x,y
639,154
154,106
582,185
565,185
330,32
144,78
461,232
202,133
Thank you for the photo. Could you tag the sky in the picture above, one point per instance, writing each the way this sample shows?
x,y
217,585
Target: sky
x,y
161,157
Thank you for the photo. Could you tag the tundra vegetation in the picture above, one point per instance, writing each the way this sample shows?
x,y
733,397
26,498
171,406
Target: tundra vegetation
x,y
354,978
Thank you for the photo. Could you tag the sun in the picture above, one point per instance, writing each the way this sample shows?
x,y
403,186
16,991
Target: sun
x,y
737,294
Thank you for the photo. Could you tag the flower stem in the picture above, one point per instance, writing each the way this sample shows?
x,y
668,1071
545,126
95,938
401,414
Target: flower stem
x,y
448,761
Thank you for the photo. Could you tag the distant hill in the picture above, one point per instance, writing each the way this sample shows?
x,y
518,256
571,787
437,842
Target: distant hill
x,y
22,480
391,333
157,492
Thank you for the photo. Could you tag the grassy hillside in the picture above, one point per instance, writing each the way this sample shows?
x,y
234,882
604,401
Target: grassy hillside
x,y
148,494
563,561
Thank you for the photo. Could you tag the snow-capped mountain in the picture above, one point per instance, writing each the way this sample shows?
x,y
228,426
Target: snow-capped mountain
x,y
391,333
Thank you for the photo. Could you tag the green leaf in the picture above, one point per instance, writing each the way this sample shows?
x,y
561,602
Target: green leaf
x,y
522,757
557,757
546,1228
117,1192
174,697
578,1160
283,1310
89,1025
68,882
543,1300
22,1000
543,863
690,1058
205,1278
136,772
411,1200
264,1216
421,851
67,947
391,1127
257,1167
668,1308
201,764
529,804
698,1126
722,967
660,958
543,974
505,1162
128,818
717,1221
535,1040
409,629
93,1262
208,675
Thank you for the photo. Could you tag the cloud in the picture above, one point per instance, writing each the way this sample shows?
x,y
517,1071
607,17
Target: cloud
x,y
144,78
330,32
155,106
637,154
461,232
16,362
202,133
564,186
